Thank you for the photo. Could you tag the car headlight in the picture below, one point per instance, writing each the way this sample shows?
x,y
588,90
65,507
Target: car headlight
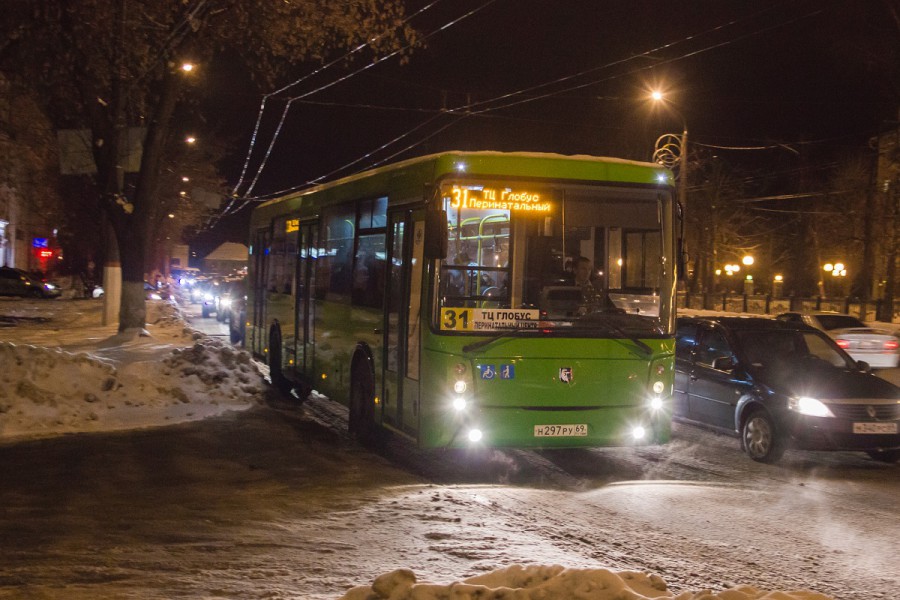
x,y
225,302
809,406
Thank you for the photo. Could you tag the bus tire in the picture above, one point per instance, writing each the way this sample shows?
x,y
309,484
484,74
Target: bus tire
x,y
275,373
362,408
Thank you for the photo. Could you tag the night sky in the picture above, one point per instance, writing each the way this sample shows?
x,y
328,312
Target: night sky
x,y
818,76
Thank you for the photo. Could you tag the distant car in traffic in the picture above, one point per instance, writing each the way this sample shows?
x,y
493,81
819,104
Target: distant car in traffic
x,y
16,282
234,310
879,348
780,385
207,293
228,291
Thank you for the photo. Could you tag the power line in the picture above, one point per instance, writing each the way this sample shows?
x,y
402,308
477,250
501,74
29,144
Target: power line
x,y
337,81
466,110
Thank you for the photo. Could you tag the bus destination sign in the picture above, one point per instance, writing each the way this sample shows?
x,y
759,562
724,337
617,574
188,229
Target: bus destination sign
x,y
484,319
487,198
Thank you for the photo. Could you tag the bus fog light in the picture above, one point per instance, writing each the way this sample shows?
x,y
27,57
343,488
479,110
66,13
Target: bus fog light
x,y
460,387
638,433
658,387
475,435
656,403
459,404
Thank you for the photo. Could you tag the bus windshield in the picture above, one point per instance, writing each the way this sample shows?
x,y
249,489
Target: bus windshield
x,y
576,259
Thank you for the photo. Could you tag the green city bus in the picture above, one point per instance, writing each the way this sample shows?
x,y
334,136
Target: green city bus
x,y
438,299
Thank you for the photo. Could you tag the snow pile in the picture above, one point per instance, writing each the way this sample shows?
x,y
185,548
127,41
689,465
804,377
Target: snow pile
x,y
123,381
553,583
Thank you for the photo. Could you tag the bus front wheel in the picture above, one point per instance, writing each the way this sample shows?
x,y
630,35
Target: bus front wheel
x,y
275,373
362,410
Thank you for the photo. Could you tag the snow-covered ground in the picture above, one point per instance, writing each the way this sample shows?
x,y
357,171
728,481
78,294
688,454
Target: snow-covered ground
x,y
63,372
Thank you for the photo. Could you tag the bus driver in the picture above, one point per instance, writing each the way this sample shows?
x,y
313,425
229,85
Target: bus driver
x,y
592,299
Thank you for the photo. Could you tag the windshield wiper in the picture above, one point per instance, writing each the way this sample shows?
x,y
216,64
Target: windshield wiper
x,y
639,343
642,346
488,341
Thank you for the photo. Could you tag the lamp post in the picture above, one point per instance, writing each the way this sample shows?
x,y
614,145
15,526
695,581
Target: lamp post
x,y
748,279
838,274
672,149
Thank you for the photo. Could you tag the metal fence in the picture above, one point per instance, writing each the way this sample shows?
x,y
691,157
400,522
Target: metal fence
x,y
760,304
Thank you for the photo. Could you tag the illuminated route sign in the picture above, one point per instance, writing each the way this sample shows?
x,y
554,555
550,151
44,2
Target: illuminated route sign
x,y
486,198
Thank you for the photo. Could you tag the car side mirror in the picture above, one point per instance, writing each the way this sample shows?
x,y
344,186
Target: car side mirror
x,y
863,366
723,363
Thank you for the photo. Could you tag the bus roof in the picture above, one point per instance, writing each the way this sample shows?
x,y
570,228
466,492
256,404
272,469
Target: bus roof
x,y
432,167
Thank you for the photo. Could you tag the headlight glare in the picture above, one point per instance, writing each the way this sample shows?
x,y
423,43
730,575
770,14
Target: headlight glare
x,y
459,404
809,406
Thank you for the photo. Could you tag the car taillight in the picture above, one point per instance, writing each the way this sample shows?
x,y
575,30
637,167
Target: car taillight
x,y
891,345
843,343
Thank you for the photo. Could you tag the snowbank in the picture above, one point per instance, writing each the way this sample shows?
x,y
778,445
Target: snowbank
x,y
553,583
59,374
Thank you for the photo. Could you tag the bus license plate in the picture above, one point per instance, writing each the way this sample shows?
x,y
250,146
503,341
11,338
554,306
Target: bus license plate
x,y
578,430
874,428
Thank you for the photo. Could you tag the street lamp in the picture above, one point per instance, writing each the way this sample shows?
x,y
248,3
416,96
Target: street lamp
x,y
837,270
668,154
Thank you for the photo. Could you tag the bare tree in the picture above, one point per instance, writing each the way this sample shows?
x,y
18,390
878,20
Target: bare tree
x,y
105,65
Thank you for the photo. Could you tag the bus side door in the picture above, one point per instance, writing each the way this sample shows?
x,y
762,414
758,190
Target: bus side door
x,y
305,307
259,339
402,320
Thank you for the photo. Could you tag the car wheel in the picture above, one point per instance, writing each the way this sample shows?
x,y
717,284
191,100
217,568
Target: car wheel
x,y
760,439
234,334
205,311
885,456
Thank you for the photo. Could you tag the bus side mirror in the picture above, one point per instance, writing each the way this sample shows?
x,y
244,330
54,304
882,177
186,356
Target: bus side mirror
x,y
435,234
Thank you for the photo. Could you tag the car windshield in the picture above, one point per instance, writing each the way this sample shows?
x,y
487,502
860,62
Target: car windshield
x,y
566,259
778,348
830,322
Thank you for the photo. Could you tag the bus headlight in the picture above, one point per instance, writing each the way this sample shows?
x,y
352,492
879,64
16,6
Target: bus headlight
x,y
658,387
475,435
656,404
638,433
462,383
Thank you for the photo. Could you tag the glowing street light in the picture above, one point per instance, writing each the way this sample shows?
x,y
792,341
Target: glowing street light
x,y
663,153
190,139
747,260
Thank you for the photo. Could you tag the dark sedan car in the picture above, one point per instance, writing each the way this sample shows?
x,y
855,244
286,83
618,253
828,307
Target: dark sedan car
x,y
780,385
15,282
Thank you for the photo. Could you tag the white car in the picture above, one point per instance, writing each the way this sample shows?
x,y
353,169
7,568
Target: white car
x,y
878,347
